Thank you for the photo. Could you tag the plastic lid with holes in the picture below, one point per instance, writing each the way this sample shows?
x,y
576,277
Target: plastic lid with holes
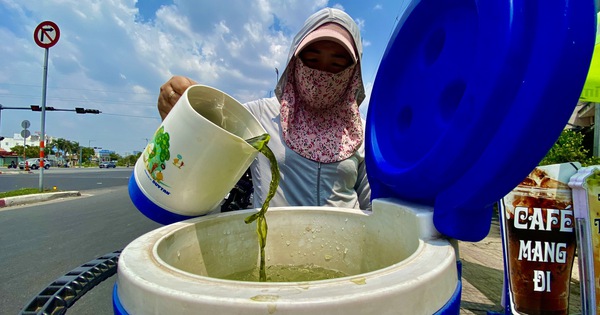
x,y
469,97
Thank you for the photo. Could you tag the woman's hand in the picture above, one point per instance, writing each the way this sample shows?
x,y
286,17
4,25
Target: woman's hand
x,y
170,93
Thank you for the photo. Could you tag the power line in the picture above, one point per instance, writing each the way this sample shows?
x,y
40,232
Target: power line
x,y
124,115
88,101
75,89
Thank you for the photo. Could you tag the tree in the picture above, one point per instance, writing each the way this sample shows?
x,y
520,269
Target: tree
x,y
87,153
72,148
130,159
30,151
114,156
60,145
569,148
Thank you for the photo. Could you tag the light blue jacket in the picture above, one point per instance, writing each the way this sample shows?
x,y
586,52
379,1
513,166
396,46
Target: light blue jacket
x,y
306,182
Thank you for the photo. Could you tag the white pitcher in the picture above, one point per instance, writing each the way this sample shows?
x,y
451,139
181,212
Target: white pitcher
x,y
195,157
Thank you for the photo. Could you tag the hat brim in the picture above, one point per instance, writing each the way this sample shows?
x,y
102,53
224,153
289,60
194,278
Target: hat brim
x,y
331,34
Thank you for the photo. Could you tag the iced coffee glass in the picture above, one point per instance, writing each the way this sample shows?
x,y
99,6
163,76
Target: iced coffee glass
x,y
540,241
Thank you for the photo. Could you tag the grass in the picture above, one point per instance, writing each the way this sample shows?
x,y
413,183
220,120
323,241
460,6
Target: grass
x,y
24,191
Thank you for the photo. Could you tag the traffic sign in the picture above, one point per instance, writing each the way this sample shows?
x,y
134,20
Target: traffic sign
x,y
46,34
25,124
25,133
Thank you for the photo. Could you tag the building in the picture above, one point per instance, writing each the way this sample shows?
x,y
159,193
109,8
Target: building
x,y
7,156
17,139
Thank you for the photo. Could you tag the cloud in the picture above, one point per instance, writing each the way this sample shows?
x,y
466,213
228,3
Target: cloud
x,y
113,55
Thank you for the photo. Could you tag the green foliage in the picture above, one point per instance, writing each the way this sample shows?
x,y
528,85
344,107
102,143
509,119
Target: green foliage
x,y
70,150
64,148
30,151
87,153
129,160
569,148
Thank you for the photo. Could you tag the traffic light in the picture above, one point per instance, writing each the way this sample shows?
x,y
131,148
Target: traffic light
x,y
38,108
80,110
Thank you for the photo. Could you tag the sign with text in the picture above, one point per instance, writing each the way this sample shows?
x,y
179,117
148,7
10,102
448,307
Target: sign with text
x,y
539,241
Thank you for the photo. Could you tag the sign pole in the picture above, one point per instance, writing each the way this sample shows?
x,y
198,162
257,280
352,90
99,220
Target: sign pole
x,y
25,133
45,35
43,135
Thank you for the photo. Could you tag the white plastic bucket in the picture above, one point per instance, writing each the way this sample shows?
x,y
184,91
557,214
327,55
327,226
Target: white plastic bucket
x,y
195,157
396,262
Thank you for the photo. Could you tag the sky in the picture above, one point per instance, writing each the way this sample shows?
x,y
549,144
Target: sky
x,y
113,56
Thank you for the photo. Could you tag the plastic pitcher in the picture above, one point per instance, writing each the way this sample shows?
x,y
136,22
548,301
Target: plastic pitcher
x,y
195,157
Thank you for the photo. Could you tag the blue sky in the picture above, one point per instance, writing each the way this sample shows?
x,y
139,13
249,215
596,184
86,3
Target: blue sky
x,y
113,55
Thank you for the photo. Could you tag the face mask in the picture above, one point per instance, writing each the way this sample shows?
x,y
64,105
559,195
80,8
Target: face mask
x,y
321,89
327,128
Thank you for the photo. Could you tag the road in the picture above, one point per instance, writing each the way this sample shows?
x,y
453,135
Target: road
x,y
66,178
42,242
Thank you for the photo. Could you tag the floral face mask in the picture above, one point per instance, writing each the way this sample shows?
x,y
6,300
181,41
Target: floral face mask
x,y
320,119
320,89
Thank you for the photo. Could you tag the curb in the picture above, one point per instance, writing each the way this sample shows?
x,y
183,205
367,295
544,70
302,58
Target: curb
x,y
16,172
28,199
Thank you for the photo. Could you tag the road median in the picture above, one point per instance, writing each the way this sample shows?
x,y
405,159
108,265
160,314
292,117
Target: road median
x,y
34,198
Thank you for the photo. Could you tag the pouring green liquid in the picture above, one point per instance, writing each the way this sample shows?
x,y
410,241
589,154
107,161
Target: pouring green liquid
x,y
260,144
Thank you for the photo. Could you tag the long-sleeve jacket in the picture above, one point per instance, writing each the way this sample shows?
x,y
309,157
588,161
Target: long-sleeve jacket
x,y
305,182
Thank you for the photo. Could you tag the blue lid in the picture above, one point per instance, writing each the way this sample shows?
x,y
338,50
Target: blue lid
x,y
469,97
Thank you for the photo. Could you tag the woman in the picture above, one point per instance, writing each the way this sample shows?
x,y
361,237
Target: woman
x,y
316,130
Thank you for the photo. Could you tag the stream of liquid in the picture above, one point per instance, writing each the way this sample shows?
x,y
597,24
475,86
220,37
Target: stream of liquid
x,y
260,144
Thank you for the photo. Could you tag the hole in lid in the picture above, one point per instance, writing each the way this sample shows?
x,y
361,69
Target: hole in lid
x,y
434,45
451,97
405,117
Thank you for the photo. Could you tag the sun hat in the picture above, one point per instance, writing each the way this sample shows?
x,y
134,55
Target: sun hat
x,y
316,20
329,31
